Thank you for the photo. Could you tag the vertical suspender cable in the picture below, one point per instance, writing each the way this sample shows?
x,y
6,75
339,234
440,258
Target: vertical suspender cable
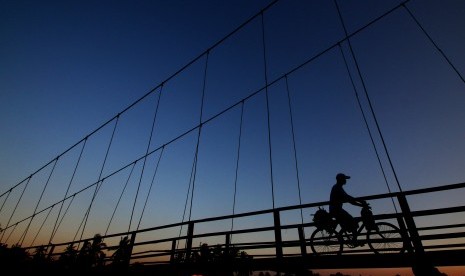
x,y
267,107
145,156
366,124
294,146
150,188
8,193
42,225
14,210
194,163
120,196
38,202
187,200
199,133
55,226
100,180
12,231
432,41
237,165
65,212
368,98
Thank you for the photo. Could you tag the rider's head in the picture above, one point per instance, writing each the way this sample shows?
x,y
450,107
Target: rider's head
x,y
341,178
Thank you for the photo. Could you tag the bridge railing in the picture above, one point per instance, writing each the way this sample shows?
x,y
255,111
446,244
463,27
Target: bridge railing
x,y
435,228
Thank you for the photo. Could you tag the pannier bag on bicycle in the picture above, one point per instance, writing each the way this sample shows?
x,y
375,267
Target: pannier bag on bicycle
x,y
368,219
322,219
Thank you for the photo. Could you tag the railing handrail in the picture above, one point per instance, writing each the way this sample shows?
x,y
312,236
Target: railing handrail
x,y
270,211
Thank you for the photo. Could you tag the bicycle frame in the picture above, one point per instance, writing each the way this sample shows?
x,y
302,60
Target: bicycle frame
x,y
381,237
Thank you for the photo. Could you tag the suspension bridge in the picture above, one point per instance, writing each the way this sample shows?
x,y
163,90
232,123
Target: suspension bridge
x,y
213,171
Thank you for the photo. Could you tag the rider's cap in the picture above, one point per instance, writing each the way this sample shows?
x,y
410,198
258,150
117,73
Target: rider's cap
x,y
342,176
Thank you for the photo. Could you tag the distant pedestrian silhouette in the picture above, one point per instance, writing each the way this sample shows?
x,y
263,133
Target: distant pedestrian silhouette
x,y
337,198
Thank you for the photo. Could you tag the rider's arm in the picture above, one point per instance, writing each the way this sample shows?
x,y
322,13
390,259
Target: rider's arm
x,y
356,202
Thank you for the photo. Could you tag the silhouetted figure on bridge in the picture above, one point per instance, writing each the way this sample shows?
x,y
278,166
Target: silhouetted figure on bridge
x,y
337,198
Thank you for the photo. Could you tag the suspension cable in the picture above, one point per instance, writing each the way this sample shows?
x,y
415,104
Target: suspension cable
x,y
434,43
196,159
8,193
366,124
12,231
237,165
14,209
187,200
199,133
294,146
55,228
120,196
41,226
64,213
38,202
267,108
367,97
145,157
100,180
150,188
194,163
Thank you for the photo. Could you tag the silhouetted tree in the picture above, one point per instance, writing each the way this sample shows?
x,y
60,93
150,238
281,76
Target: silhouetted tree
x,y
40,253
68,257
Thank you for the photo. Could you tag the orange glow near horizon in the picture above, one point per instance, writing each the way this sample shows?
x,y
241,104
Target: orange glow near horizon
x,y
402,271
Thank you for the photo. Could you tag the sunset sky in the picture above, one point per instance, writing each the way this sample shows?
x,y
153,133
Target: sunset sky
x,y
69,67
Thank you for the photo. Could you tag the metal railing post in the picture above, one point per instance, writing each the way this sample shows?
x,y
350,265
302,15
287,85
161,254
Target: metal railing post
x,y
131,246
190,234
50,252
303,246
277,235
404,233
421,265
173,250
227,244
411,227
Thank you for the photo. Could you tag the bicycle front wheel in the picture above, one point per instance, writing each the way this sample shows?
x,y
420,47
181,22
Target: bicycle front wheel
x,y
385,238
325,242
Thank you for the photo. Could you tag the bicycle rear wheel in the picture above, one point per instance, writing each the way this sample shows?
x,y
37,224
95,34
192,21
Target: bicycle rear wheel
x,y
324,242
385,238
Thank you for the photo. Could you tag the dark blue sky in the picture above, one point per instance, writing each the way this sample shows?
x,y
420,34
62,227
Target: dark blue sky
x,y
69,66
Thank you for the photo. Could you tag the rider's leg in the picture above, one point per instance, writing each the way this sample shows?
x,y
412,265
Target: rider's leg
x,y
351,225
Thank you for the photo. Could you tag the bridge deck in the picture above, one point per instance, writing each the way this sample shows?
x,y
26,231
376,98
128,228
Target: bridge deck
x,y
289,264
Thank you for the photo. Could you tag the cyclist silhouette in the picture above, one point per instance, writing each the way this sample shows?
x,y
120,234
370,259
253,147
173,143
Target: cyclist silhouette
x,y
337,198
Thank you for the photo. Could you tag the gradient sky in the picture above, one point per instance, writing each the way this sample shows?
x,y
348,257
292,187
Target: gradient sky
x,y
67,67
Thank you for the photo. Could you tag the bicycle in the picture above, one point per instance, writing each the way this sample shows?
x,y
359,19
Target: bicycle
x,y
381,237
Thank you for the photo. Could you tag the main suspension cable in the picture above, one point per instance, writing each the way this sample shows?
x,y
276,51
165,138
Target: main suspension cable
x,y
434,43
